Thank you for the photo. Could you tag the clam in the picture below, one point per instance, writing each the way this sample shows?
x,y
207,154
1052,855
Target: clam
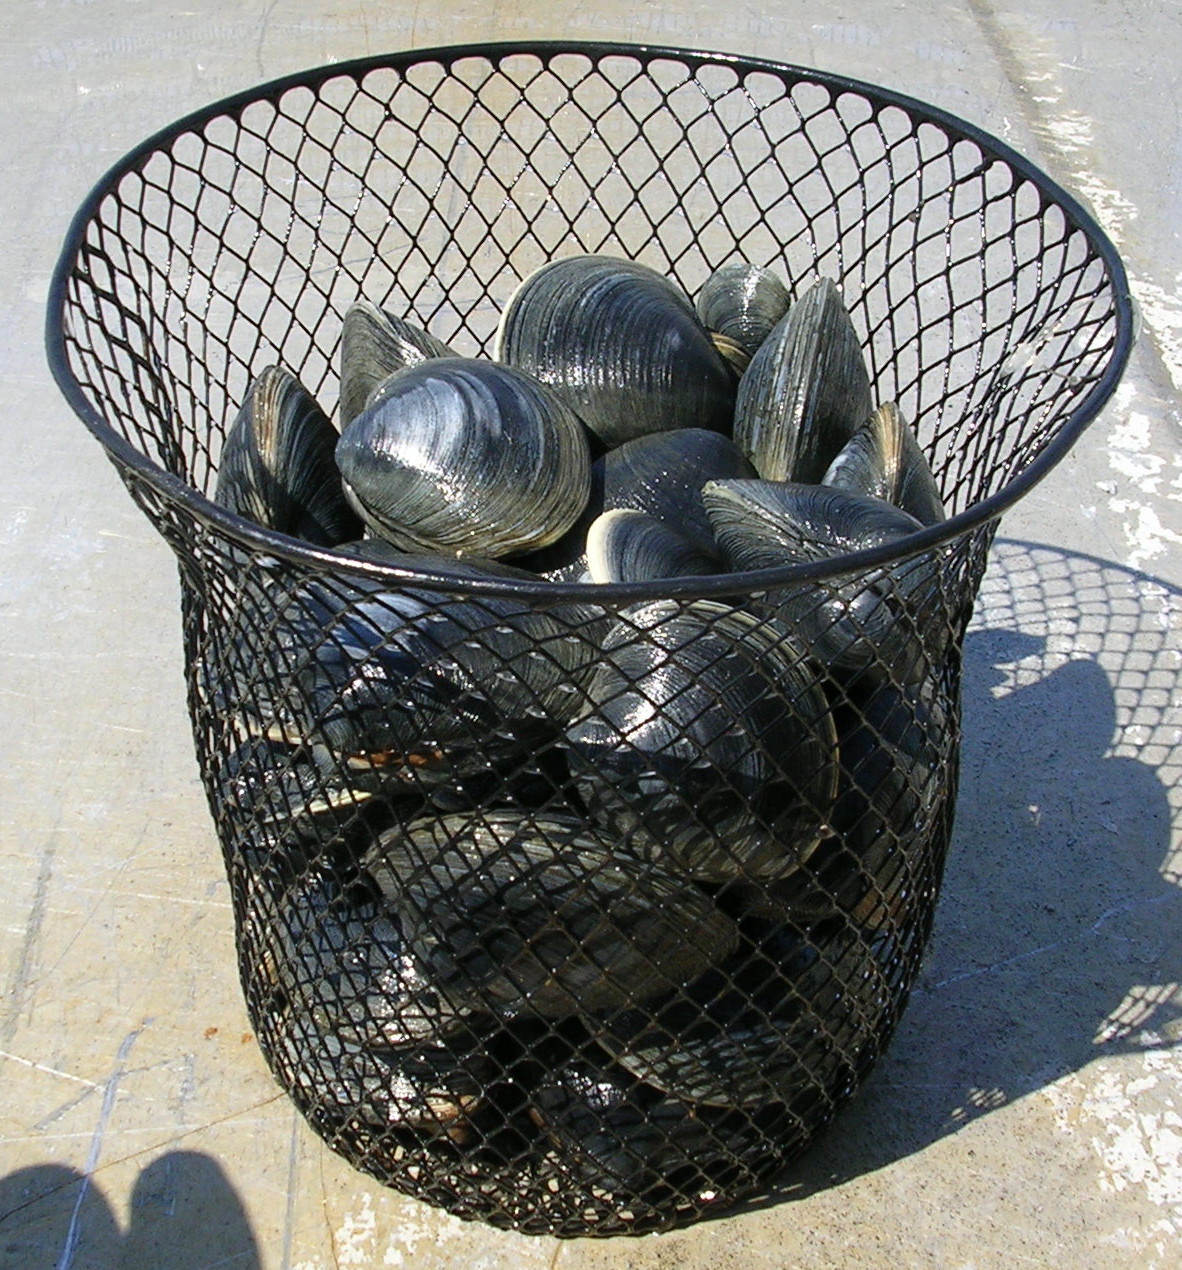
x,y
885,619
623,1137
375,344
277,467
466,457
741,303
706,728
661,474
621,343
806,391
540,914
783,1015
884,459
631,546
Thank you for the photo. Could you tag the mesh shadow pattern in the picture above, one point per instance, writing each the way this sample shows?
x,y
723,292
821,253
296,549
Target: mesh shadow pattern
x,y
576,910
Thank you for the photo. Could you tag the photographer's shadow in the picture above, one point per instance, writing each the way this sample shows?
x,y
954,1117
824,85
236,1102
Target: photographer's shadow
x,y
184,1214
1056,936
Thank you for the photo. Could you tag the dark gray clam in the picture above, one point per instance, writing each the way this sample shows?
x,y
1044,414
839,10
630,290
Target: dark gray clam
x,y
885,620
884,459
375,344
621,343
784,1016
277,466
631,546
466,457
405,688
625,1138
806,391
353,1030
707,729
742,303
661,474
540,914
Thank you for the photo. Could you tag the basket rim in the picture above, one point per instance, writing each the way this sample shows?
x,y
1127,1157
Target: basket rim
x,y
292,550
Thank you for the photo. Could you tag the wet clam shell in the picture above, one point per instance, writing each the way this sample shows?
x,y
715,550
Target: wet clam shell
x,y
277,466
743,302
785,1015
806,391
631,546
886,620
621,343
542,914
708,729
662,475
465,457
884,460
375,344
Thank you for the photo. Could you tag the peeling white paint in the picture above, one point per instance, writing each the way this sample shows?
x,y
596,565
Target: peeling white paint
x,y
1133,1123
353,1240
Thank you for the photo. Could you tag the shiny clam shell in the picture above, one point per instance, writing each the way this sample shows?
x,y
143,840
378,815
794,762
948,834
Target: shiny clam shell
x,y
621,343
884,620
709,731
662,475
542,914
806,391
466,457
742,302
884,459
375,344
631,546
277,467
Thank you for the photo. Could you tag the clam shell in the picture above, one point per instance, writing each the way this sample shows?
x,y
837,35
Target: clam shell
x,y
707,728
886,620
375,344
662,475
542,914
884,460
277,467
462,456
743,302
407,688
621,343
783,1017
631,546
806,391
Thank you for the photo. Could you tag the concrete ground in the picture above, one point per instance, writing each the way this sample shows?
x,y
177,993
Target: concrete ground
x,y
1029,1111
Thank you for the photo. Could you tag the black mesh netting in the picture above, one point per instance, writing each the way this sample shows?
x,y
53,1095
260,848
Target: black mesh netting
x,y
576,909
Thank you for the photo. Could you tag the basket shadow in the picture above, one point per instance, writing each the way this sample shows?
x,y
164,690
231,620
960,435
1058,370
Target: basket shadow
x,y
184,1214
1055,940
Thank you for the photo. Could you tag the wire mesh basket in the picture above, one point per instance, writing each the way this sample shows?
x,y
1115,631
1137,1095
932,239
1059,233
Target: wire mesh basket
x,y
502,954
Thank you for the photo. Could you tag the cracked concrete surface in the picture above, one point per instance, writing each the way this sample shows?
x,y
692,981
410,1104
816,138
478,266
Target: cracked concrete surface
x,y
1029,1111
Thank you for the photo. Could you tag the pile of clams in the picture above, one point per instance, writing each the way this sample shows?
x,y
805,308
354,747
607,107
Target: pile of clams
x,y
607,894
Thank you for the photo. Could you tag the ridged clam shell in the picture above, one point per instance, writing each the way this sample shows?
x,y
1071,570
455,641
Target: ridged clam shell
x,y
786,1016
540,913
631,546
463,456
621,343
743,302
375,344
708,731
277,467
806,391
884,460
662,475
407,685
883,619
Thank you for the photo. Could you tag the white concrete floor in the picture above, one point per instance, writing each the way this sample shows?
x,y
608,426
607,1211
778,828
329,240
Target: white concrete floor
x,y
1029,1111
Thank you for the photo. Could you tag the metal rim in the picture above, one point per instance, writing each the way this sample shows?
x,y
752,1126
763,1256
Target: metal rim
x,y
289,549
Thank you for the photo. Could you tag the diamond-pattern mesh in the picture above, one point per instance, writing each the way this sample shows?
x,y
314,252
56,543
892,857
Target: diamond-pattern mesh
x,y
574,912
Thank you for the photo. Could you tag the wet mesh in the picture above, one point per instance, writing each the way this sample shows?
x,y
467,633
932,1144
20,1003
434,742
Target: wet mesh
x,y
574,914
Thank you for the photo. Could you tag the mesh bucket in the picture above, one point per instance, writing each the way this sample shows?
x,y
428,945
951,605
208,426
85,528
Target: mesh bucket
x,y
504,955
